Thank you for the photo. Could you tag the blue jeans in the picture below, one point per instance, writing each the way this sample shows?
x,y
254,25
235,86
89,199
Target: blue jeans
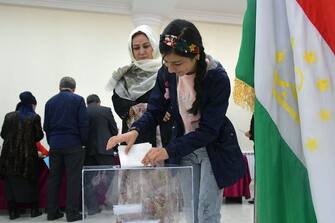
x,y
207,195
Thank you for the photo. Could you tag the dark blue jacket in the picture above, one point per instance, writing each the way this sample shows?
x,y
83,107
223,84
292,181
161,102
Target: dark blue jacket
x,y
102,126
215,131
66,121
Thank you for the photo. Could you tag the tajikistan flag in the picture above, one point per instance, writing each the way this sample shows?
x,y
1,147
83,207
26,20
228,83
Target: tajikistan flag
x,y
288,56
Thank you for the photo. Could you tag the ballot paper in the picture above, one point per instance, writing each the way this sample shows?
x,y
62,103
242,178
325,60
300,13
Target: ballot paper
x,y
135,155
143,221
122,209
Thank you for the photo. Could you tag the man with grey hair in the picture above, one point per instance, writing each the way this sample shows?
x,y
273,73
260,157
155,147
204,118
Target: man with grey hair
x,y
67,83
66,127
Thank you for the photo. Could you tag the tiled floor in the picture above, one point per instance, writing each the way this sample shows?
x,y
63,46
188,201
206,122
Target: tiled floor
x,y
231,213
237,213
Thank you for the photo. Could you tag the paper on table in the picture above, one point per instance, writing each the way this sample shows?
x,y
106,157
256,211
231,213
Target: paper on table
x,y
46,161
135,155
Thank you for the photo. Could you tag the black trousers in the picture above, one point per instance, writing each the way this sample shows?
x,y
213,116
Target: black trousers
x,y
21,190
72,160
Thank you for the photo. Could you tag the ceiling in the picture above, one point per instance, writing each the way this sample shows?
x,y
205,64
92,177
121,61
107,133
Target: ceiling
x,y
216,11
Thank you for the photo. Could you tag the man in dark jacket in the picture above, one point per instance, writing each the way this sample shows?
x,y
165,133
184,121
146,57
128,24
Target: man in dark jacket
x,y
102,126
66,127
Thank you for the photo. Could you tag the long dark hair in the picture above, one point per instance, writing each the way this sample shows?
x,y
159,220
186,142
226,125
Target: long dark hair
x,y
189,34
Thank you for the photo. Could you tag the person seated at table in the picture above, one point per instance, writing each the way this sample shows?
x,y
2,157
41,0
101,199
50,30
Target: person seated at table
x,y
21,131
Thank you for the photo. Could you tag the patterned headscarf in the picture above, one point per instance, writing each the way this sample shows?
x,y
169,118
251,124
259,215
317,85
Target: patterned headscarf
x,y
134,80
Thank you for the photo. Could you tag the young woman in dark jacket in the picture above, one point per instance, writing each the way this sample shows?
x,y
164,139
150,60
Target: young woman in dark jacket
x,y
198,89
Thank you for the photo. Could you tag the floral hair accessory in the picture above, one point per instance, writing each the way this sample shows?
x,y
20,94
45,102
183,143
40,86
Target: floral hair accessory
x,y
179,44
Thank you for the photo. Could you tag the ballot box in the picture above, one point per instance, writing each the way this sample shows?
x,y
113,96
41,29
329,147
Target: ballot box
x,y
137,195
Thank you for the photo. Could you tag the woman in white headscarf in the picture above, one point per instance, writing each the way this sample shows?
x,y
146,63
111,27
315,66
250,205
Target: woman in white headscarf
x,y
132,84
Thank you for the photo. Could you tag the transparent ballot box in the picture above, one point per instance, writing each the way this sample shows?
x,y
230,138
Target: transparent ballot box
x,y
137,195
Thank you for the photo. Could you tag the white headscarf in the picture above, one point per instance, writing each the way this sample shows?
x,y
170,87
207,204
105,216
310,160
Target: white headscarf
x,y
151,37
134,80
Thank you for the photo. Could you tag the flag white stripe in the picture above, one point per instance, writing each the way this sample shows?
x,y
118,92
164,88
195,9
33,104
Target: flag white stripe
x,y
307,66
320,163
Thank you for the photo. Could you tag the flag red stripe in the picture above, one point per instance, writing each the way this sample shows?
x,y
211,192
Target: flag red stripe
x,y
322,14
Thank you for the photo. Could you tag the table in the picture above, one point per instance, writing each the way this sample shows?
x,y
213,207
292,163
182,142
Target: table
x,y
44,171
241,187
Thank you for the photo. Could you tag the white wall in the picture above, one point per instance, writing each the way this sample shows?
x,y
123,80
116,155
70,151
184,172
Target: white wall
x,y
223,43
38,46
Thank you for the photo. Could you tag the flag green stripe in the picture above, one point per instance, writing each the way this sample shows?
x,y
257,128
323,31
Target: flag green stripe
x,y
282,186
245,64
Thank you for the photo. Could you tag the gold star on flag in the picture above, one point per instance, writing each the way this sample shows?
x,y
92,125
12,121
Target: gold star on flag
x,y
280,56
312,144
324,115
310,57
322,85
284,94
292,42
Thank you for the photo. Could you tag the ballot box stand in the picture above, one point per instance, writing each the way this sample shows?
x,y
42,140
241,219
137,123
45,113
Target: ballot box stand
x,y
137,195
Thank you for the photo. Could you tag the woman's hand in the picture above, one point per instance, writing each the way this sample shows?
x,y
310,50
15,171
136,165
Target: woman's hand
x,y
247,134
167,117
129,138
154,156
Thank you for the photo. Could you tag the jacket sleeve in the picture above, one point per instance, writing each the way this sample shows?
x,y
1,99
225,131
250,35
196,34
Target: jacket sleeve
x,y
83,121
156,109
38,129
121,106
251,131
111,123
46,122
211,120
5,128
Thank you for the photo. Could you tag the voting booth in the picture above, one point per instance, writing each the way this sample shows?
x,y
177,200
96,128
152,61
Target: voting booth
x,y
137,194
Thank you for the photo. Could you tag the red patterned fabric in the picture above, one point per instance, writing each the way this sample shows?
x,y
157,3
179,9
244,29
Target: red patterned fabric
x,y
42,149
240,188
